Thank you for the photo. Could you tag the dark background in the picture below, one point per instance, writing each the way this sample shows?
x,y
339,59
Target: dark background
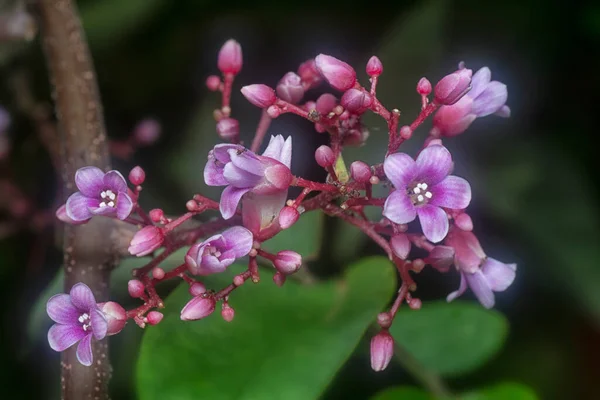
x,y
535,176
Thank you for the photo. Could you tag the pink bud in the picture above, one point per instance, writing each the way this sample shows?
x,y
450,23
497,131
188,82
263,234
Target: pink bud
x,y
228,128
464,222
290,88
135,288
324,156
440,258
356,137
156,214
288,217
424,87
287,262
415,304
468,254
374,66
158,273
116,316
154,317
337,73
273,111
197,308
325,103
360,171
61,214
310,105
137,175
278,176
260,95
382,350
213,82
400,245
146,132
309,74
227,313
356,101
405,132
197,289
384,320
279,279
452,87
230,58
146,240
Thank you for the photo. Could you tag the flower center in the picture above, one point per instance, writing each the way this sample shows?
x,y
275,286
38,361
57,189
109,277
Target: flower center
x,y
109,199
419,195
85,321
212,251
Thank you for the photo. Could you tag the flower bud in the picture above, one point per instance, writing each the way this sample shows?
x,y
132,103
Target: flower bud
x,y
464,222
356,137
356,101
197,308
324,156
135,288
213,82
290,88
360,171
273,111
405,132
197,289
137,175
325,103
61,214
227,313
146,132
154,317
424,87
260,95
287,262
288,217
230,58
415,304
382,350
156,214
116,316
468,253
146,240
384,320
400,245
452,87
440,258
374,66
337,73
228,128
279,279
158,273
309,74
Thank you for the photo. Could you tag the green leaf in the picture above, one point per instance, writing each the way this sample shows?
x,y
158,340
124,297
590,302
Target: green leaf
x,y
403,393
450,339
503,391
304,237
284,343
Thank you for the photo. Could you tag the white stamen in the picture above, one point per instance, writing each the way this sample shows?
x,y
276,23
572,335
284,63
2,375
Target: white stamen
x,y
428,195
424,186
417,190
103,195
111,196
420,198
111,203
103,204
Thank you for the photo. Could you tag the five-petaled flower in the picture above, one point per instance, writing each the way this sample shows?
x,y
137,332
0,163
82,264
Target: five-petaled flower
x,y
422,188
243,171
99,194
77,318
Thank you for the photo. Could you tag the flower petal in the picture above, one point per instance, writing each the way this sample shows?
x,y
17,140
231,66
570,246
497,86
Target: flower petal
x,y
114,181
453,192
399,208
221,152
230,198
400,245
400,169
104,211
239,177
503,112
239,240
78,206
246,161
498,274
274,147
61,337
490,100
124,205
61,310
82,297
89,181
433,164
212,265
260,211
481,289
99,323
479,82
286,153
461,289
213,173
434,222
84,351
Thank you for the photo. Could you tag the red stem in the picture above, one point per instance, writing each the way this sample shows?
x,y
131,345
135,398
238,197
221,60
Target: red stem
x,y
261,131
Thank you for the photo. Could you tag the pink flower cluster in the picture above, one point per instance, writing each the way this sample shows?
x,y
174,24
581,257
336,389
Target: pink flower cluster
x,y
255,206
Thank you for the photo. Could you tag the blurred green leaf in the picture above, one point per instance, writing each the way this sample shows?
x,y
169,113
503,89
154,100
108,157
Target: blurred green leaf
x,y
450,339
284,343
403,393
304,237
503,391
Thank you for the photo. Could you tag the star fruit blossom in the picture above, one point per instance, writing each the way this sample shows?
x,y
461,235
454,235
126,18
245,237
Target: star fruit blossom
x,y
267,176
423,187
99,194
78,319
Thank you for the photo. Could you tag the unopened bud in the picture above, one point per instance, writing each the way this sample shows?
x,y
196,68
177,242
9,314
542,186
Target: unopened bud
x,y
156,214
146,240
154,317
146,132
360,171
213,82
405,132
260,95
287,262
290,88
374,66
452,87
325,103
337,73
384,320
116,316
227,313
279,279
464,222
137,176
228,128
288,217
158,273
230,58
273,111
415,304
382,350
424,87
309,73
356,101
400,245
197,289
135,288
197,308
324,156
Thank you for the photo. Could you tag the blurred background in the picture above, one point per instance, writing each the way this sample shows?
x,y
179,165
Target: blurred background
x,y
535,176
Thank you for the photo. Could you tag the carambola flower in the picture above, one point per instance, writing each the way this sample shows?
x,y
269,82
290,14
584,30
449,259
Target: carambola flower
x,y
423,187
78,319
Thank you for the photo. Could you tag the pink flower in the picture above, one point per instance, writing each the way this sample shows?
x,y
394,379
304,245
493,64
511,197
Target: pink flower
x,y
452,87
99,194
287,262
116,317
146,240
423,187
78,319
337,73
260,95
309,73
356,101
228,128
374,66
290,88
197,308
230,58
382,350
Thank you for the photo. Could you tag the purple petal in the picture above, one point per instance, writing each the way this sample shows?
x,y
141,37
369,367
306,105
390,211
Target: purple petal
x,y
114,181
481,289
400,169
399,208
61,337
274,147
213,174
260,211
491,100
99,323
82,297
78,206
124,205
479,82
105,211
221,152
89,181
212,265
461,289
61,310
433,164
434,222
84,351
498,274
247,161
503,112
286,153
240,178
453,192
230,198
400,245
239,240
